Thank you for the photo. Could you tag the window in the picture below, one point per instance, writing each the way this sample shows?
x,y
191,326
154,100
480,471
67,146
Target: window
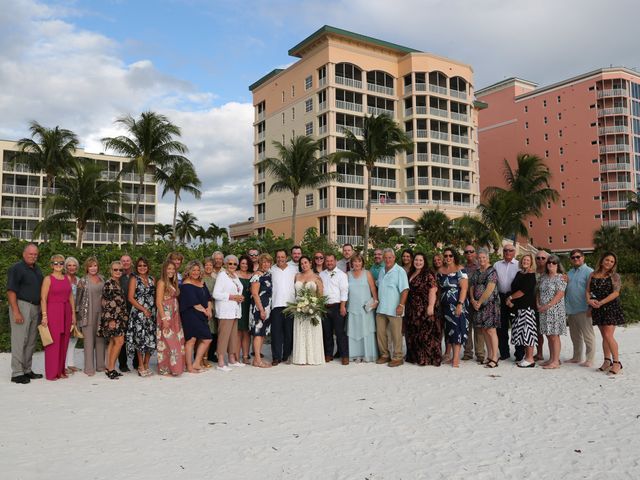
x,y
546,153
561,150
558,98
594,142
526,109
293,113
308,200
550,239
293,134
596,179
308,128
562,167
526,124
544,103
595,160
308,105
561,185
592,106
283,206
526,141
559,116
549,222
597,215
593,124
563,203
546,136
546,120
564,237
564,221
548,204
530,224
282,96
283,119
293,91
560,133
596,197
592,88
308,82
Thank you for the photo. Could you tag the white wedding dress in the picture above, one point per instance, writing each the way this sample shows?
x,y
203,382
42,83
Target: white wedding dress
x,y
308,347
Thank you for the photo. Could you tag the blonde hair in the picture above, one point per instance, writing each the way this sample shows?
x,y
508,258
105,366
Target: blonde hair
x,y
531,258
90,261
57,256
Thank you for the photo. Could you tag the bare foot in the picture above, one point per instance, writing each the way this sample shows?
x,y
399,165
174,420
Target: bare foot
x,y
551,366
574,360
195,369
586,363
548,362
538,357
446,359
261,364
455,365
89,374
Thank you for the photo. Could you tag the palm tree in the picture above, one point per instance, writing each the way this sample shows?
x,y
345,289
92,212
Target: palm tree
x,y
382,137
177,177
470,230
295,169
83,196
163,230
187,228
608,239
151,145
633,203
497,213
49,150
214,232
434,226
5,227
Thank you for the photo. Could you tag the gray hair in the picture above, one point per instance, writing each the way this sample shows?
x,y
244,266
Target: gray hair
x,y
388,250
217,252
482,251
69,260
555,258
230,257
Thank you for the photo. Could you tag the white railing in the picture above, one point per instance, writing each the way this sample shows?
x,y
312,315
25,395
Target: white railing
x,y
608,167
133,197
142,217
16,167
261,217
618,147
614,205
322,130
410,157
348,178
350,203
380,89
614,129
262,175
440,182
410,182
617,186
262,155
388,159
461,117
422,133
352,239
22,234
383,182
613,92
461,162
353,107
438,112
421,110
436,158
441,202
460,203
108,175
421,87
260,116
439,135
323,203
323,153
261,135
423,180
460,139
386,201
261,196
423,157
613,111
416,201
408,89
322,81
21,212
379,111
355,130
618,223
100,237
21,189
349,82
437,89
322,106
408,112
461,184
134,177
142,238
458,94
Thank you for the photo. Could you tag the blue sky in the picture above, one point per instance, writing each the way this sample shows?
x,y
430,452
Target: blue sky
x,y
81,64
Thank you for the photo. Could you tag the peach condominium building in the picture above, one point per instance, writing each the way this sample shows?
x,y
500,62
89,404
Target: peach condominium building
x,y
587,129
340,78
23,191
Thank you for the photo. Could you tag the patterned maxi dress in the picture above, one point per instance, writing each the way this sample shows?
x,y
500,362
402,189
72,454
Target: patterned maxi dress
x,y
455,327
170,337
141,330
114,315
424,333
489,314
554,320
610,313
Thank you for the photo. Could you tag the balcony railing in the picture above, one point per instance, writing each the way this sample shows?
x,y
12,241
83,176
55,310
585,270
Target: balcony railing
x,y
21,189
460,117
22,234
380,89
100,237
436,158
144,198
618,223
460,139
379,111
261,217
322,106
322,130
437,89
421,110
421,87
438,112
350,203
423,180
352,239
142,238
408,112
108,175
608,167
408,89
420,133
461,184
355,130
617,186
613,92
142,217
260,116
134,177
423,157
322,82
461,162
410,158
383,182
261,135
30,212
16,167
613,130
618,147
458,94
353,107
262,175
440,182
613,111
439,135
614,205
261,196
348,178
388,159
349,82
323,203
262,155
410,182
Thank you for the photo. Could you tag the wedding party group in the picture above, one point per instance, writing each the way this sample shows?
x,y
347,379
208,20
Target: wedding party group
x,y
314,309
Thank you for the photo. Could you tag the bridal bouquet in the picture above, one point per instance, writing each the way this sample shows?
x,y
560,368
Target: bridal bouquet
x,y
308,306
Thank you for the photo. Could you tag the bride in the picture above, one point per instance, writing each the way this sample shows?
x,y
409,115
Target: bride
x,y
308,348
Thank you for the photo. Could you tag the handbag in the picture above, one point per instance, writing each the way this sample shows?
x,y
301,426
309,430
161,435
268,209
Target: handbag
x,y
45,335
76,332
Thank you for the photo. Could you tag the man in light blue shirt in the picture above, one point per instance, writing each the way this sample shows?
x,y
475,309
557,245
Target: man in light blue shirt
x,y
378,264
575,302
393,288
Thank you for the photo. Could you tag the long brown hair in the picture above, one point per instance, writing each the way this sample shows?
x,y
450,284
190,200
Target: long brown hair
x,y
164,277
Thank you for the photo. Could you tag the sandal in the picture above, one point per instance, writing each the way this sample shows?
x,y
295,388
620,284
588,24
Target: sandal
x,y
245,359
491,364
617,371
112,374
605,367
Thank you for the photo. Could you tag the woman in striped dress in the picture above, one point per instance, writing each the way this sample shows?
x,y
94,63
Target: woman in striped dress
x,y
523,299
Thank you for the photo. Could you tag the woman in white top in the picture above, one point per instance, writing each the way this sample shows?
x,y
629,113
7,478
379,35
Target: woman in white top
x,y
308,347
227,293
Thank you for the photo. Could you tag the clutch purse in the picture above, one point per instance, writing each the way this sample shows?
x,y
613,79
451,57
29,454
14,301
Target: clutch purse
x,y
45,335
76,332
369,306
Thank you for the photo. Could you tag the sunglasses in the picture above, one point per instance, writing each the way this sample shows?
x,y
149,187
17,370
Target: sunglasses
x,y
318,258
552,262
57,263
253,254
118,269
447,255
575,257
231,263
469,251
541,258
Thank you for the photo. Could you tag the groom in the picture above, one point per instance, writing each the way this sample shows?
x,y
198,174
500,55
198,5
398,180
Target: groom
x,y
336,288
282,279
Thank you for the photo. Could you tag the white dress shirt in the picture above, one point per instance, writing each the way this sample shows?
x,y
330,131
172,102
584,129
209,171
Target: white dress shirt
x,y
336,285
226,286
283,285
506,273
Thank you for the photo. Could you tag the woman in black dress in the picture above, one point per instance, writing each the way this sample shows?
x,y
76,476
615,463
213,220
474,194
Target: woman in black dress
x,y
141,330
603,296
523,328
113,318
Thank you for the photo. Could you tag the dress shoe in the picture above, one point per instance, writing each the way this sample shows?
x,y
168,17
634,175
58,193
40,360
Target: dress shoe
x,y
467,357
345,360
504,357
275,363
125,369
22,379
328,358
382,360
396,362
33,376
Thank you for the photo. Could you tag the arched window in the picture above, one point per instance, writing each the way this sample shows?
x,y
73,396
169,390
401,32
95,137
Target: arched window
x,y
405,226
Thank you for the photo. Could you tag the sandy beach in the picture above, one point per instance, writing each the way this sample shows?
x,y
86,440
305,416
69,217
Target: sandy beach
x,y
330,422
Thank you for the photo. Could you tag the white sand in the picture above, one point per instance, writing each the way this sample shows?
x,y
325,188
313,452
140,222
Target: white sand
x,y
355,422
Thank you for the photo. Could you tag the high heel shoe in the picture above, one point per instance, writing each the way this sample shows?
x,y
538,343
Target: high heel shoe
x,y
112,374
605,367
613,370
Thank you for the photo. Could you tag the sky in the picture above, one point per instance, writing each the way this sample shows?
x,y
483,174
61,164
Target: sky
x,y
81,64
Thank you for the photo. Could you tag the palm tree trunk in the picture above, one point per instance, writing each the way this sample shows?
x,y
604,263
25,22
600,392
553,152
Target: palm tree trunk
x,y
45,235
294,211
175,216
80,238
135,214
365,249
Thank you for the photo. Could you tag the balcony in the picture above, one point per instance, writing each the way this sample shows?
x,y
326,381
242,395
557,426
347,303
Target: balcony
x,y
142,217
460,162
421,87
261,196
613,92
348,82
355,179
421,110
262,175
617,186
388,159
359,132
618,223
262,156
422,133
410,182
134,177
437,89
435,158
133,197
610,167
383,182
423,181
16,167
408,89
142,238
614,205
322,82
439,112
617,148
613,130
380,111
460,139
353,107
461,184
436,135
322,106
21,190
108,175
22,234
322,130
460,117
260,116
350,203
458,94
372,87
261,217
423,157
440,182
603,112
261,135
410,158
352,239
323,203
408,112
29,212
100,237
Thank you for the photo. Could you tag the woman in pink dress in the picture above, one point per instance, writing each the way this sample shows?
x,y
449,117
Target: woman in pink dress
x,y
58,313
171,354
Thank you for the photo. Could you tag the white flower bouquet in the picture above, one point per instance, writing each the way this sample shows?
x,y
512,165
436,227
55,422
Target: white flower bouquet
x,y
308,306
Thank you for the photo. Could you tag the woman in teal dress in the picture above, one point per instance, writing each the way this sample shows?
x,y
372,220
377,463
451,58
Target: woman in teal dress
x,y
361,326
244,275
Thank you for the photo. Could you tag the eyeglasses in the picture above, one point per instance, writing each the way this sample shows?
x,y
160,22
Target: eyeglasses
x,y
541,258
318,258
447,255
57,263
508,250
552,262
232,263
469,251
118,269
575,257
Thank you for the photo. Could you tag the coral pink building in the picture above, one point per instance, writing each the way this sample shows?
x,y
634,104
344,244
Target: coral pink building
x,y
587,129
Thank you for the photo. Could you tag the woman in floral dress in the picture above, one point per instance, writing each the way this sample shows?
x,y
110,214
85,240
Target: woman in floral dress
x,y
171,353
550,306
113,318
141,331
260,309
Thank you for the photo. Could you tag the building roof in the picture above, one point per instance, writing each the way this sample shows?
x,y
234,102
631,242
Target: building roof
x,y
505,83
268,76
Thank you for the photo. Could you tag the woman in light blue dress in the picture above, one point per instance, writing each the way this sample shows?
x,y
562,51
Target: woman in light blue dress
x,y
361,323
